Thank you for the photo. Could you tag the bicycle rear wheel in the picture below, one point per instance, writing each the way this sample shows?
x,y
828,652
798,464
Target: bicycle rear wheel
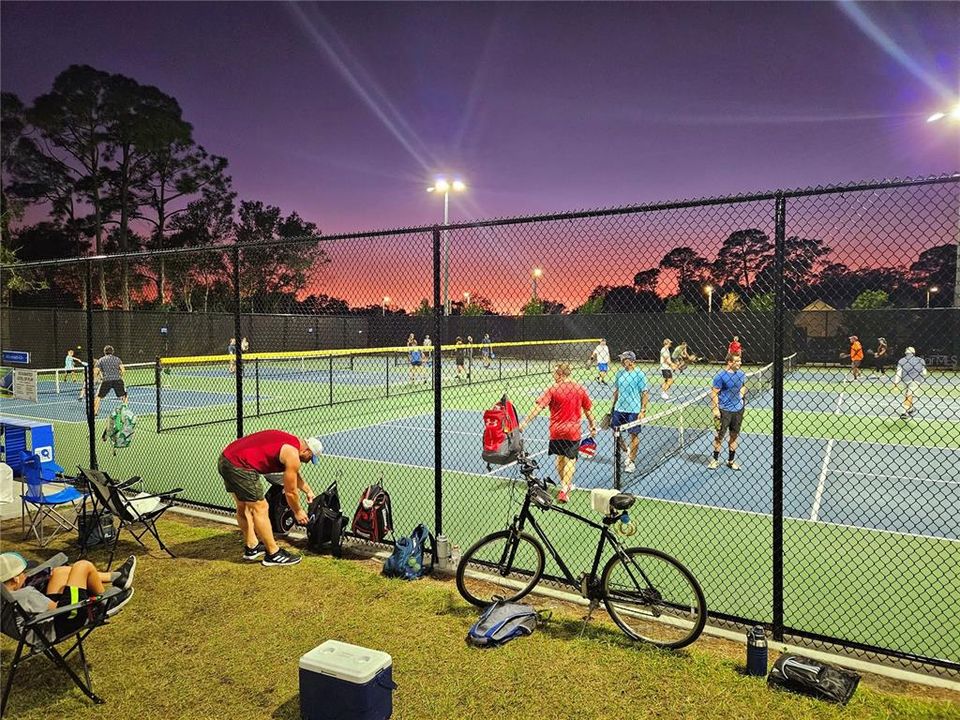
x,y
653,598
504,564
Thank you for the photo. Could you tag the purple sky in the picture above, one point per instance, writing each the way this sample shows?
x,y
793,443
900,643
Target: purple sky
x,y
345,112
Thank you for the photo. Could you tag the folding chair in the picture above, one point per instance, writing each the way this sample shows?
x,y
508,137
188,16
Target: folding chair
x,y
30,630
44,506
138,514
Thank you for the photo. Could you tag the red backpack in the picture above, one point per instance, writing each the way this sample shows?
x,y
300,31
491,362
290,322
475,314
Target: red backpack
x,y
502,440
373,519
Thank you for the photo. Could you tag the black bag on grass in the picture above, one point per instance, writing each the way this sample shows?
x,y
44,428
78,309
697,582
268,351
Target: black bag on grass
x,y
95,529
326,525
814,678
281,516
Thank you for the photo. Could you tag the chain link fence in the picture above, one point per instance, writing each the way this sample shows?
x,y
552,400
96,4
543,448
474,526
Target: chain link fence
x,y
831,517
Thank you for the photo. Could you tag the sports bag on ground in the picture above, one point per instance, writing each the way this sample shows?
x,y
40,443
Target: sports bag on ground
x,y
373,519
813,677
501,622
407,559
502,439
120,427
326,524
281,516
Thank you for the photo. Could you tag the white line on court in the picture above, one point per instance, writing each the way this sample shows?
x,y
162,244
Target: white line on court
x,y
822,480
897,477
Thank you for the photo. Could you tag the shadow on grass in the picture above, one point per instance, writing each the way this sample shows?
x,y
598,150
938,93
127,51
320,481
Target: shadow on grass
x,y
39,683
290,710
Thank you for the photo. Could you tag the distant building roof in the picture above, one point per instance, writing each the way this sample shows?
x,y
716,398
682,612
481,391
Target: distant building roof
x,y
818,305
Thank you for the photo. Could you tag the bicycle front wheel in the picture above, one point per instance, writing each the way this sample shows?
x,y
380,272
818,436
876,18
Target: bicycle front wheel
x,y
653,598
504,564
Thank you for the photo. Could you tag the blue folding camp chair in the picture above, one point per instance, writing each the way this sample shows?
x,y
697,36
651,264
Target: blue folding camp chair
x,y
37,507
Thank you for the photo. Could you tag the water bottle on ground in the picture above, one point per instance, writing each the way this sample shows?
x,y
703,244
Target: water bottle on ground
x,y
756,652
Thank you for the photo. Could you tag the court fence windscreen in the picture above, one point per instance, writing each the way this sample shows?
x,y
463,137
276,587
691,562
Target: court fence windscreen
x,y
816,332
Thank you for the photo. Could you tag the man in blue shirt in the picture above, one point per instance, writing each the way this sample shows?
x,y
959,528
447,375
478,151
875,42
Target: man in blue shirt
x,y
729,387
630,400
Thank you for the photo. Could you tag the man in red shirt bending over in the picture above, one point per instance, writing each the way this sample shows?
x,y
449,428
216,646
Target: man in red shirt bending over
x,y
240,466
566,400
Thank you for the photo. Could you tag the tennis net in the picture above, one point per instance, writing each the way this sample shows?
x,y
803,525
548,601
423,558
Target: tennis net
x,y
56,381
672,432
201,390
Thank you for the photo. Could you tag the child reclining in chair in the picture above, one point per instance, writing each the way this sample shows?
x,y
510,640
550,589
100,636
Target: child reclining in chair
x,y
62,586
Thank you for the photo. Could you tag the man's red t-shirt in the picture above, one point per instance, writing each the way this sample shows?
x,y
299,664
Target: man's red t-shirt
x,y
565,401
260,451
734,348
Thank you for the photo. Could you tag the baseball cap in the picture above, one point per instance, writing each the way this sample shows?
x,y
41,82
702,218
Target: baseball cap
x,y
854,337
910,350
628,355
11,565
588,447
316,447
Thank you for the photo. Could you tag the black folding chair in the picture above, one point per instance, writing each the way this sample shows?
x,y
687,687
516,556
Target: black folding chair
x,y
137,513
31,631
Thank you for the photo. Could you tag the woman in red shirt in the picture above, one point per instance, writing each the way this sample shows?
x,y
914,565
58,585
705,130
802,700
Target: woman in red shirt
x,y
566,400
735,348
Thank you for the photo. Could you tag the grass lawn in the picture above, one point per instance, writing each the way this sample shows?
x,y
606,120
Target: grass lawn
x,y
208,636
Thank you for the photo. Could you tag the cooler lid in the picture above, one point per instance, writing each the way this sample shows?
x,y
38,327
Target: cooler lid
x,y
352,663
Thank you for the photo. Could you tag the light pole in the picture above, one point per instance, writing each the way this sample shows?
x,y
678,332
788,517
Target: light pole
x,y
535,275
443,186
466,302
709,290
383,306
933,289
954,115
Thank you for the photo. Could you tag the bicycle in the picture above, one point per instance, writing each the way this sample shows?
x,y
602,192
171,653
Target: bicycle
x,y
648,594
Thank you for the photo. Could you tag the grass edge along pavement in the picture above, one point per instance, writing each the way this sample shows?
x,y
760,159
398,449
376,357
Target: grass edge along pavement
x,y
184,648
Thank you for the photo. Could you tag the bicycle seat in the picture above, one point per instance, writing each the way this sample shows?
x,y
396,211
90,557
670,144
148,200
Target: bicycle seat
x,y
623,501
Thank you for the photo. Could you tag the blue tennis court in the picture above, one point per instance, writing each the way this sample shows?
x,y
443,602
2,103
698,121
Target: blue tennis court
x,y
825,479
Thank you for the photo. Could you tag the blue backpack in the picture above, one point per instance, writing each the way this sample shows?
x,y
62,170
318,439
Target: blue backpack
x,y
503,621
407,559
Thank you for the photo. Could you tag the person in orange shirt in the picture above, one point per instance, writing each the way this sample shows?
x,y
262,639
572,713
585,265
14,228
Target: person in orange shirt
x,y
856,357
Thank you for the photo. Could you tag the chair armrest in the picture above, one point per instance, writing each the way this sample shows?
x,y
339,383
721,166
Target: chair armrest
x,y
165,495
135,480
56,561
41,618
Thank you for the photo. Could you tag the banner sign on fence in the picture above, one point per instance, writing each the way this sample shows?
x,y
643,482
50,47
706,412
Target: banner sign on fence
x,y
18,357
25,385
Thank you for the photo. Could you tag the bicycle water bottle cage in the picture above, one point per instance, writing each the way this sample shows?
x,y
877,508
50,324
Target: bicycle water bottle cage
x,y
540,497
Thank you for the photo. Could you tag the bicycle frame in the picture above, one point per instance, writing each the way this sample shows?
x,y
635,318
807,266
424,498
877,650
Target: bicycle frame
x,y
606,536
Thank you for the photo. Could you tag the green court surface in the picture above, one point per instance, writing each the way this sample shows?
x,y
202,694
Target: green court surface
x,y
871,553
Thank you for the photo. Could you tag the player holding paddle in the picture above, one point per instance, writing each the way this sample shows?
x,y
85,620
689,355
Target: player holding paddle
x,y
727,396
630,400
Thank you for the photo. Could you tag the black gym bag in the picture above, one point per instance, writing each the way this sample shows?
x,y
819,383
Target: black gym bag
x,y
327,524
814,678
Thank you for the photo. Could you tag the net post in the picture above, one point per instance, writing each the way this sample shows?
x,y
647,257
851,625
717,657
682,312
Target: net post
x,y
387,359
778,330
438,310
88,370
157,376
238,334
330,379
617,456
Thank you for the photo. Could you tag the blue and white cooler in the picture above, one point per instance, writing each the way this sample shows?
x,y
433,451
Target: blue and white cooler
x,y
339,681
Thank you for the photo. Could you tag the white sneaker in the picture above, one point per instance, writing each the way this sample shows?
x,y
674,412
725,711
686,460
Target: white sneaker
x,y
629,467
664,396
713,464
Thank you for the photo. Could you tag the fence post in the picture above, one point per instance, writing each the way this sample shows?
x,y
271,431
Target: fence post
x,y
437,390
237,335
778,331
88,374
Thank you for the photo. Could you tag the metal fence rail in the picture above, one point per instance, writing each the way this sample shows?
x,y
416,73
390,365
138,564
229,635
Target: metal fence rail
x,y
840,525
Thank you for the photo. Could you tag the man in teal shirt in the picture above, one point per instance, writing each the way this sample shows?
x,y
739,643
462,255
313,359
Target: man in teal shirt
x,y
630,400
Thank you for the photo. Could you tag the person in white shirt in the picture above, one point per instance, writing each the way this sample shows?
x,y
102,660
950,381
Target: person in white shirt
x,y
601,354
666,369
427,347
911,371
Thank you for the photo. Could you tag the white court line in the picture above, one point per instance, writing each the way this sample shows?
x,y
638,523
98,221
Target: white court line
x,y
822,480
897,477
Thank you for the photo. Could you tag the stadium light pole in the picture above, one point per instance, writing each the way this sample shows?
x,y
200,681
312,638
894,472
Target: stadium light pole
x,y
466,300
442,185
954,115
933,289
709,290
535,274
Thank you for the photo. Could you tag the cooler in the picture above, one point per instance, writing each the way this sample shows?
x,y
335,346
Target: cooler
x,y
339,681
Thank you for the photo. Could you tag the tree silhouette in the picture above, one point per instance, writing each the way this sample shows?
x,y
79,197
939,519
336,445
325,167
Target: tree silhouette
x,y
936,267
689,264
743,255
